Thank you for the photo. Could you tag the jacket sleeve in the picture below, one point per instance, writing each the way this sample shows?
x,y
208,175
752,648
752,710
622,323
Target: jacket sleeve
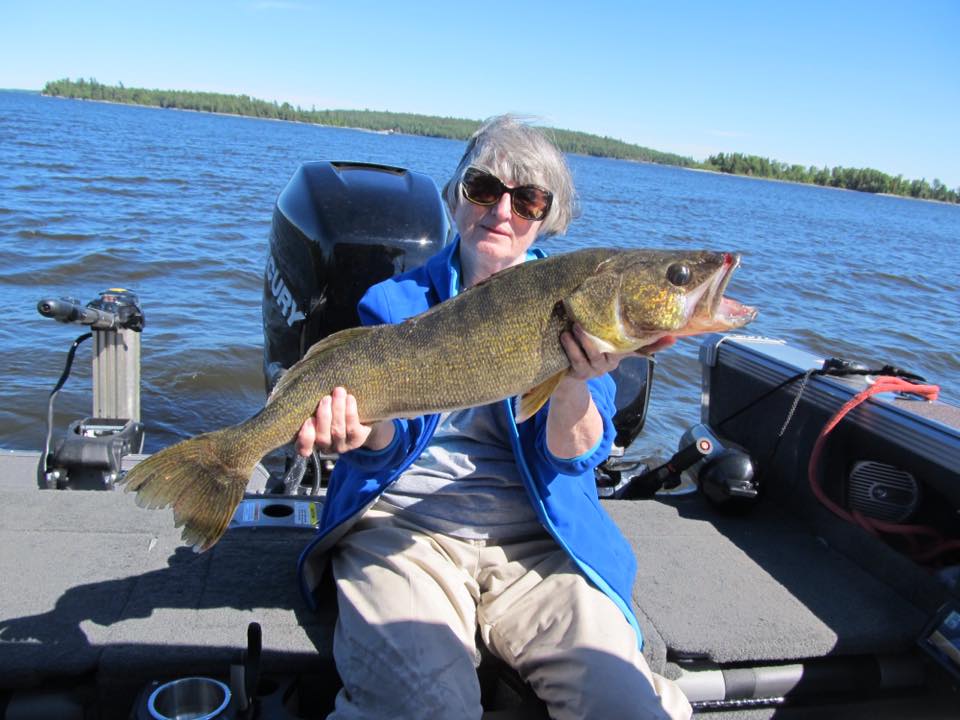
x,y
603,391
374,307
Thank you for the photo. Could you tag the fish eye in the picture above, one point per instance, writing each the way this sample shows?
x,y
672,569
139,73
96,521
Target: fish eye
x,y
678,274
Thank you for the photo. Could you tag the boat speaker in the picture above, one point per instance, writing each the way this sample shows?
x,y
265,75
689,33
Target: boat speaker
x,y
882,492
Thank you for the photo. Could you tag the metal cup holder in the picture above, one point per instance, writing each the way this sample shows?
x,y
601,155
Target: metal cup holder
x,y
192,698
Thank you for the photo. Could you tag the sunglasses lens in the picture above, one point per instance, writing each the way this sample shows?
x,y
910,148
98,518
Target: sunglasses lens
x,y
528,201
531,202
482,188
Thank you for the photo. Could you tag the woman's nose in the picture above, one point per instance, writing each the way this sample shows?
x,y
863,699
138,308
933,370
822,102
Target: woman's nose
x,y
503,208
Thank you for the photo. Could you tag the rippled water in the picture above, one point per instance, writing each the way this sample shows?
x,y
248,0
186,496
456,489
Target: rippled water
x,y
177,206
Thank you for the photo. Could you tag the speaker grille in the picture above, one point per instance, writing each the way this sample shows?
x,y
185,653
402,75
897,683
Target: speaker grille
x,y
882,491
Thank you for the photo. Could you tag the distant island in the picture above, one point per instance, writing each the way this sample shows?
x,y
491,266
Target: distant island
x,y
859,179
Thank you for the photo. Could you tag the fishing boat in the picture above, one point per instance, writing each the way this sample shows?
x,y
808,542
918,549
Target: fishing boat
x,y
799,554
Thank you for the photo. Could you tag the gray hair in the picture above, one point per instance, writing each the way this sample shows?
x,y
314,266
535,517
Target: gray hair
x,y
515,151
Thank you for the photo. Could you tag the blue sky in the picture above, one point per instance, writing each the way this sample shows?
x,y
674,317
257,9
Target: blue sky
x,y
848,82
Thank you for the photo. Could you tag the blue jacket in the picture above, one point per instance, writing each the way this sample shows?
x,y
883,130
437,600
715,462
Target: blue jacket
x,y
563,491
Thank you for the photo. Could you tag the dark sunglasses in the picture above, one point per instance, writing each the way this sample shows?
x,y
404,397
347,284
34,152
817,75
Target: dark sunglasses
x,y
530,202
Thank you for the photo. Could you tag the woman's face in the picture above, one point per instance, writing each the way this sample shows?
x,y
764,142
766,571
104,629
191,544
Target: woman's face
x,y
493,236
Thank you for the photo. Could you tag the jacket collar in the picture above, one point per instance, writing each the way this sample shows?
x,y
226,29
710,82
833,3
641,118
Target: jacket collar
x,y
444,270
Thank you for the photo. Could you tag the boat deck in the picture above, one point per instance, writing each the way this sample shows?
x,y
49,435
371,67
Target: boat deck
x,y
98,588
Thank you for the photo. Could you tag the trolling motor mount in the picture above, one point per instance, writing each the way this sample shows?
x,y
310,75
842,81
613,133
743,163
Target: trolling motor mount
x,y
89,455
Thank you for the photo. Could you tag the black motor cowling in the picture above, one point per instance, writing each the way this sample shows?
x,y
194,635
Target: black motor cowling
x,y
338,228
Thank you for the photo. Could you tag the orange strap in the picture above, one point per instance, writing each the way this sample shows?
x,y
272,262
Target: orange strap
x,y
884,383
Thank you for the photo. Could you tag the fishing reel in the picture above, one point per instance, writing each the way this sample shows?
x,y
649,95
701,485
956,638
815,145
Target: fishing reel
x,y
90,454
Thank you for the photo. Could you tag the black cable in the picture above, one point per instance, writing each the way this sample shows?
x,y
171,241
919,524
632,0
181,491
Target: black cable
x,y
753,403
294,475
317,473
298,470
42,466
832,367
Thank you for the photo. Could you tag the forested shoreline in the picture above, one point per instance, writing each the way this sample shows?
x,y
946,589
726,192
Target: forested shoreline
x,y
379,121
859,179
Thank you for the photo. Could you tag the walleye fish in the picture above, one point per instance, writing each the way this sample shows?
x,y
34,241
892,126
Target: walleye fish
x,y
499,339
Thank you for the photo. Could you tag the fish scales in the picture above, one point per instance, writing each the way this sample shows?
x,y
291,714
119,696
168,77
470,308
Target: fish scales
x,y
498,339
492,341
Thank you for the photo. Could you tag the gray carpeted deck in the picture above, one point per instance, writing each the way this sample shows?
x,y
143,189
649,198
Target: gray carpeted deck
x,y
755,588
93,585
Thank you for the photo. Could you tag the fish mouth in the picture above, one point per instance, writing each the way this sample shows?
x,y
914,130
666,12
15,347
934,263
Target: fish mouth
x,y
702,309
707,308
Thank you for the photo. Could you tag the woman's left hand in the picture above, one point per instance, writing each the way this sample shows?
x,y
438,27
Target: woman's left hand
x,y
574,424
587,361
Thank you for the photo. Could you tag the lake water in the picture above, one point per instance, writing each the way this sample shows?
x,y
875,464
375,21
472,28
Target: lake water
x,y
177,206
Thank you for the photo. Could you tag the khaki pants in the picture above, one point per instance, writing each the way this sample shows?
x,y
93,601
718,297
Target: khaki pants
x,y
410,604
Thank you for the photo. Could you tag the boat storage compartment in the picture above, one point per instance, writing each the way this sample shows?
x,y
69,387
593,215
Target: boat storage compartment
x,y
894,459
786,598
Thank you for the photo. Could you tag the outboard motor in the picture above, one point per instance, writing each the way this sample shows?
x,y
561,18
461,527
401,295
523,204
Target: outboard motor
x,y
338,228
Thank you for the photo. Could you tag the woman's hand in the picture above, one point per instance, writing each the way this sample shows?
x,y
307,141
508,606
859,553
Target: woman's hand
x,y
574,424
335,427
587,361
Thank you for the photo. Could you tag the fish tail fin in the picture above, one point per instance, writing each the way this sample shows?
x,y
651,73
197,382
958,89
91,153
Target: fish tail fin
x,y
202,478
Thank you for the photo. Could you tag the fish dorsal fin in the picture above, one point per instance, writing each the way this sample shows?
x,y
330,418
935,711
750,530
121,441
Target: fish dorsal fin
x,y
535,398
328,344
332,341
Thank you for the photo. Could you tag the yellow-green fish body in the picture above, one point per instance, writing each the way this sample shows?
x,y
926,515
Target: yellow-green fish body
x,y
498,339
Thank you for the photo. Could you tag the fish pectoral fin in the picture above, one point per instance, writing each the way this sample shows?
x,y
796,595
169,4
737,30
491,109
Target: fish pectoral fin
x,y
535,398
328,344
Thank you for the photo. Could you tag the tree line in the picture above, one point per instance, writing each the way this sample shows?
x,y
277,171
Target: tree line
x,y
381,121
861,179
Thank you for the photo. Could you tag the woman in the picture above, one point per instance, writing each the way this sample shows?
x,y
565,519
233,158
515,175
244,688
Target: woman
x,y
443,528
